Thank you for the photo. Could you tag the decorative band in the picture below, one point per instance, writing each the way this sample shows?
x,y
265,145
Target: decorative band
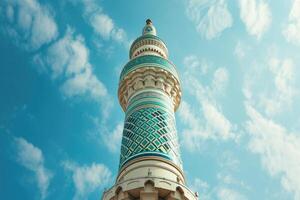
x,y
145,154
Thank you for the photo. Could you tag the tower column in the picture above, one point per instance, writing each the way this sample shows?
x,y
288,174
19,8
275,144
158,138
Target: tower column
x,y
149,192
149,93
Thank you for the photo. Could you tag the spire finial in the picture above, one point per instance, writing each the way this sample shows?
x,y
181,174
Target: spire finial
x,y
149,29
148,21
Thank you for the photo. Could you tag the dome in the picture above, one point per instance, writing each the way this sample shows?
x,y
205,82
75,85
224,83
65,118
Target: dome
x,y
148,43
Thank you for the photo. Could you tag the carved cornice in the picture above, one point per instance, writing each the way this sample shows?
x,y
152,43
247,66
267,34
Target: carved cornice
x,y
148,44
149,77
149,50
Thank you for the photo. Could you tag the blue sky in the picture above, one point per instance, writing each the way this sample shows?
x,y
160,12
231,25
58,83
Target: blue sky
x,y
239,119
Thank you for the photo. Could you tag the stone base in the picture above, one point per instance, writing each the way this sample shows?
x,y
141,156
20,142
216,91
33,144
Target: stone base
x,y
149,179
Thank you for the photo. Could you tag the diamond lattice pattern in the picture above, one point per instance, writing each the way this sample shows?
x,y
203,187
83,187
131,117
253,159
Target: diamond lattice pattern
x,y
150,130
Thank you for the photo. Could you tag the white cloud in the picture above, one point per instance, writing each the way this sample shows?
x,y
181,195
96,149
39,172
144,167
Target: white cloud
x,y
119,35
194,68
110,137
30,23
278,149
229,180
221,191
68,61
292,30
194,64
90,6
228,161
194,131
113,140
67,56
241,49
200,184
217,124
32,158
279,90
211,18
229,166
10,13
105,27
202,188
212,124
229,194
226,178
209,121
220,80
256,16
284,82
102,24
88,179
82,83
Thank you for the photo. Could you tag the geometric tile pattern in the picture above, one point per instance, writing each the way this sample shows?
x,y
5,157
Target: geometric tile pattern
x,y
150,130
148,61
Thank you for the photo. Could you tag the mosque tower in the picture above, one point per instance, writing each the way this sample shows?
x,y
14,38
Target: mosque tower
x,y
149,93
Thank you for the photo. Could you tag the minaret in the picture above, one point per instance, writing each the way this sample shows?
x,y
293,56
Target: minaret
x,y
149,92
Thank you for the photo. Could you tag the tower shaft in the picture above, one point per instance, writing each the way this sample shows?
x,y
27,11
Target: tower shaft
x,y
149,92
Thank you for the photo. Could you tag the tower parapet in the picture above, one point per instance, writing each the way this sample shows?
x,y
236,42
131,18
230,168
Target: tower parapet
x,y
149,93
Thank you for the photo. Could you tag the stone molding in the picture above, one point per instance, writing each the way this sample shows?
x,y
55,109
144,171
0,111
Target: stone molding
x,y
149,188
153,162
142,45
149,77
